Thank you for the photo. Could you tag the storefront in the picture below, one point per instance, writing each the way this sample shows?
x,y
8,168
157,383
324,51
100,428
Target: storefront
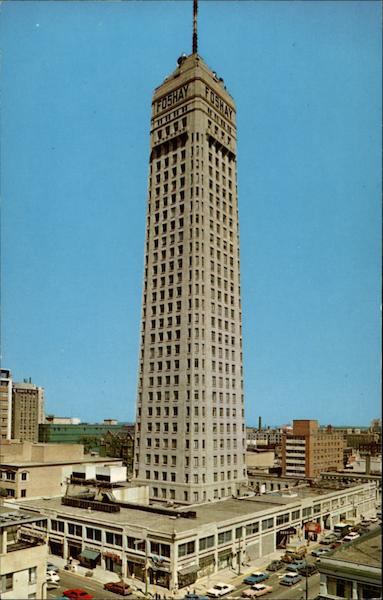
x,y
206,565
89,558
312,530
225,559
56,547
74,549
283,536
187,576
135,568
113,562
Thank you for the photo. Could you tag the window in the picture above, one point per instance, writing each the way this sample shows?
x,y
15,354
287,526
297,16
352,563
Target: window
x,y
224,537
7,582
24,476
57,525
32,572
267,524
115,539
74,529
252,528
282,519
206,542
187,548
295,515
93,534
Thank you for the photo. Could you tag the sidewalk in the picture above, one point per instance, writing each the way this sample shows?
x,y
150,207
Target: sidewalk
x,y
228,575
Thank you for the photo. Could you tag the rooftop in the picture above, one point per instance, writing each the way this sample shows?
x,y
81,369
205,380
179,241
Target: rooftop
x,y
9,517
366,551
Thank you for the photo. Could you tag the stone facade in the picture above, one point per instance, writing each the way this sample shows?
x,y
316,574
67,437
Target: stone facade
x,y
190,435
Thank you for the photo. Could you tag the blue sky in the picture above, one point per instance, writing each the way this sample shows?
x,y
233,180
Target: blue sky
x,y
77,80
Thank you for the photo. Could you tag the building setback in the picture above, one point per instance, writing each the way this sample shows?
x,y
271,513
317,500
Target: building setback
x,y
190,434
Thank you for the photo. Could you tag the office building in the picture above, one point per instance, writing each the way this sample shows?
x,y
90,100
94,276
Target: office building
x,y
5,404
308,450
27,411
190,435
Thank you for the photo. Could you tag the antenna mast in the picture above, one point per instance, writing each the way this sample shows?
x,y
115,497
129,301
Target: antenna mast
x,y
195,35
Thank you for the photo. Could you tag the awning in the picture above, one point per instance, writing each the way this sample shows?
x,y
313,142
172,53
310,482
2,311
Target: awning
x,y
89,554
188,570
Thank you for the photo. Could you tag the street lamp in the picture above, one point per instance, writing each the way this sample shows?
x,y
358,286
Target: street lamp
x,y
145,541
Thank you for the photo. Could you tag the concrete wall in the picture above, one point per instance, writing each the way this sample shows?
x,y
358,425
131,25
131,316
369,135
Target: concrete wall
x,y
19,563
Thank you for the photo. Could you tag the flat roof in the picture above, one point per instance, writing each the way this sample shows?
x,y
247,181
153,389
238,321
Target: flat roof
x,y
222,513
52,463
9,517
365,550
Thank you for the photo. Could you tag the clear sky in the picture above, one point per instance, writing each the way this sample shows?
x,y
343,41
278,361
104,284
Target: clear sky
x,y
77,80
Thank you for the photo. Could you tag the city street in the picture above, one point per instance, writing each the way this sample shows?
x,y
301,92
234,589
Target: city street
x,y
70,580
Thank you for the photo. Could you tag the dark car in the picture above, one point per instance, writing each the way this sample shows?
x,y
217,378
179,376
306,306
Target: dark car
x,y
320,552
275,565
194,596
256,577
296,565
119,587
308,570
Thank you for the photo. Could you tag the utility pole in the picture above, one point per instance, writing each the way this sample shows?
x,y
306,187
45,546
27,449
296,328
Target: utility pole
x,y
239,556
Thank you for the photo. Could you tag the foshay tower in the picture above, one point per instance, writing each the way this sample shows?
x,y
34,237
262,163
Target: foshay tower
x,y
190,433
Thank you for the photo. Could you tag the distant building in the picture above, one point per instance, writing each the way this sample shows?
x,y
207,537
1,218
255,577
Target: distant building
x,y
23,554
53,420
260,459
256,437
30,470
27,411
308,450
5,404
88,434
119,444
353,571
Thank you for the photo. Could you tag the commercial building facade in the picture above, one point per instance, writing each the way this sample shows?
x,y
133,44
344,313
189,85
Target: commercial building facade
x,y
194,543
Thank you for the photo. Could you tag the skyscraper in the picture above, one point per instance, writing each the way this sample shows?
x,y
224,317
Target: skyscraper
x,y
27,411
190,435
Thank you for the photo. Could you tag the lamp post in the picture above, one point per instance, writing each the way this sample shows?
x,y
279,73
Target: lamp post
x,y
145,541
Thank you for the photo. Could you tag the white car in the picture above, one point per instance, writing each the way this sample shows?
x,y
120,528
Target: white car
x,y
351,536
374,519
220,589
257,590
52,576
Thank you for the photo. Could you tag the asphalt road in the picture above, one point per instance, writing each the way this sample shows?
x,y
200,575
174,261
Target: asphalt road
x,y
295,592
70,580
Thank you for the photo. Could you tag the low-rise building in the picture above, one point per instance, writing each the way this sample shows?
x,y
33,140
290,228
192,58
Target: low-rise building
x,y
354,570
23,554
30,470
192,542
308,450
88,434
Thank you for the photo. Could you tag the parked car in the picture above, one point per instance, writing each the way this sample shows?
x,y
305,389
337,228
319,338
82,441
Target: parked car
x,y
78,594
350,537
374,519
275,565
308,570
320,552
365,522
296,565
328,539
290,579
257,590
118,587
194,596
52,576
52,567
256,577
220,589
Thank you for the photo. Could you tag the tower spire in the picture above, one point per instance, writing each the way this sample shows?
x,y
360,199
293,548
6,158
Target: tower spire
x,y
195,35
